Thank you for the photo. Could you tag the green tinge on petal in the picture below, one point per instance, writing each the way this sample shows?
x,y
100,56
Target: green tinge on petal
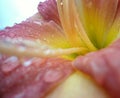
x,y
114,32
72,26
97,17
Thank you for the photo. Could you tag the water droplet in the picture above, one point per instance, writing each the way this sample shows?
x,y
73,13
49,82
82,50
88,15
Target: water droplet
x,y
53,75
44,39
61,3
11,59
27,63
47,52
10,64
37,22
22,49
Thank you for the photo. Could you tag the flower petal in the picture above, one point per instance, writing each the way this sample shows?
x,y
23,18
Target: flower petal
x,y
114,32
42,38
103,66
72,26
32,78
23,48
97,17
48,10
78,85
38,29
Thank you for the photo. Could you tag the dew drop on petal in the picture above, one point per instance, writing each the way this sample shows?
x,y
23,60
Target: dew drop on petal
x,y
10,64
53,75
27,63
22,49
47,52
12,59
39,23
61,3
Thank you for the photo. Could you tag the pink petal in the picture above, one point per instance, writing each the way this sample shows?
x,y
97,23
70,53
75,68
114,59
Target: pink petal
x,y
103,66
47,32
32,78
48,10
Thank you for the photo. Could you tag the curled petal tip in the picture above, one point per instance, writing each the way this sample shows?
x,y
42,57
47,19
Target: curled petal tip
x,y
48,10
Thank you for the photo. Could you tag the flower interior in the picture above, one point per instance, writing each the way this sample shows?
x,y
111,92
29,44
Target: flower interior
x,y
88,25
91,24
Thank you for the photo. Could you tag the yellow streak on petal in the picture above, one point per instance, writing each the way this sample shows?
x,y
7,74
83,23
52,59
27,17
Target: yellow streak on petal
x,y
97,17
84,37
66,21
114,32
72,25
12,47
52,34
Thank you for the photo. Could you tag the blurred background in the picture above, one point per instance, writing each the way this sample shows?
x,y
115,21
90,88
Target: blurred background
x,y
14,11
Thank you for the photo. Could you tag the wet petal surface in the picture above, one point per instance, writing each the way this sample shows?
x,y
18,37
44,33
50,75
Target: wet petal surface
x,y
47,32
30,78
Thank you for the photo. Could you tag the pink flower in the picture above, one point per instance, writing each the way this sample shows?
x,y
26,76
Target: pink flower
x,y
64,37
